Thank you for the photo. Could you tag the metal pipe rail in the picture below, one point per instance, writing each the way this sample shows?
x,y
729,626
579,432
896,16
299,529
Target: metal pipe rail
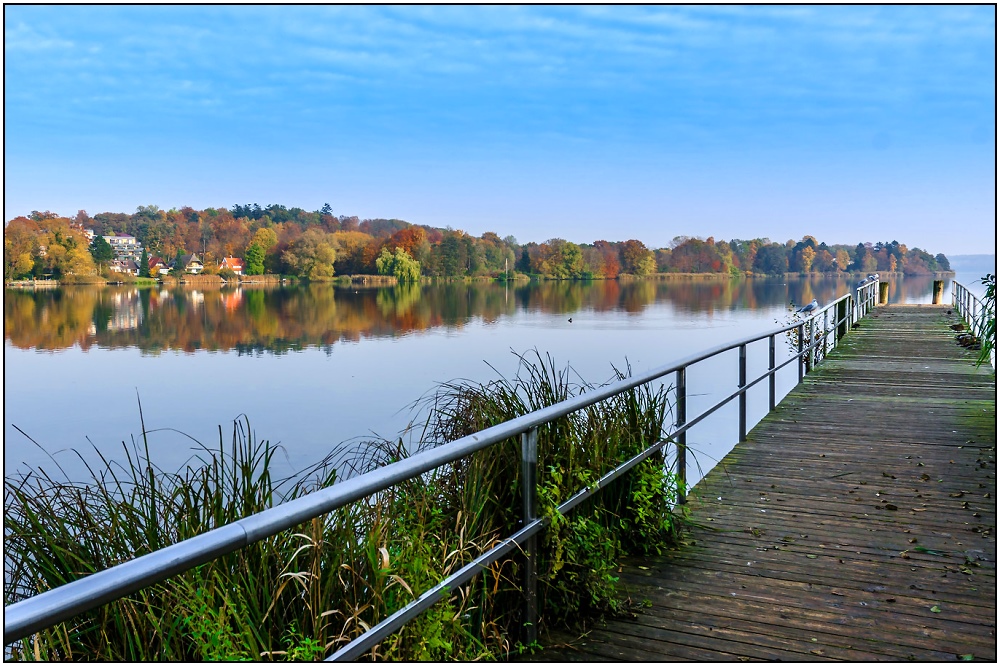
x,y
44,610
969,307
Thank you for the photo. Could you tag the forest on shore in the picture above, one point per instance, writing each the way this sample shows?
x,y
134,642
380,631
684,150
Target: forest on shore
x,y
318,245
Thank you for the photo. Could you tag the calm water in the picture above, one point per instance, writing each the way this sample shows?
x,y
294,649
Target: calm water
x,y
315,366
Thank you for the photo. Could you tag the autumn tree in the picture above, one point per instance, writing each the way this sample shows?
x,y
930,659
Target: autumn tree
x,y
19,243
351,247
254,256
399,264
771,259
312,255
636,259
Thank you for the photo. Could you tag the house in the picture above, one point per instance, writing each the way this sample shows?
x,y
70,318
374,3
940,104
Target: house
x,y
234,264
190,263
125,246
157,265
126,266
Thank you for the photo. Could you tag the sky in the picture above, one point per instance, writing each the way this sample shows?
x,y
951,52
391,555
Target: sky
x,y
848,123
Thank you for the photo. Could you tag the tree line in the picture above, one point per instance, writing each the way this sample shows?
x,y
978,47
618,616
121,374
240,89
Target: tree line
x,y
318,245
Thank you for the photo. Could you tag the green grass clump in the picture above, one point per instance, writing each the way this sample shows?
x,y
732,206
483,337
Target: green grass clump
x,y
301,594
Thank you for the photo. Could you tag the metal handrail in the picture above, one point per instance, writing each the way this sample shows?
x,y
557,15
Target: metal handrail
x,y
973,310
44,610
969,307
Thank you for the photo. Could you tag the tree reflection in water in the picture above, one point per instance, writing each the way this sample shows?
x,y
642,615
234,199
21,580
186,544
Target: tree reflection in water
x,y
278,319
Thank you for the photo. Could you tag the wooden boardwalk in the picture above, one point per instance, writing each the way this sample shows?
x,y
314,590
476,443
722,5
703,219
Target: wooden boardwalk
x,y
858,522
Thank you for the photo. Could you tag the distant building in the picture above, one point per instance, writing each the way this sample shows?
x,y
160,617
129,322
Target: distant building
x,y
234,264
126,266
157,265
189,263
125,247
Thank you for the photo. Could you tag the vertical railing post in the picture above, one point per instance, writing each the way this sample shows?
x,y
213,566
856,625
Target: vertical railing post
x,y
826,332
529,478
810,350
842,321
743,396
802,360
682,437
770,367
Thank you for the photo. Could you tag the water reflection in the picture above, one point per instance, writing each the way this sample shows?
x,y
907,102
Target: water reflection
x,y
276,319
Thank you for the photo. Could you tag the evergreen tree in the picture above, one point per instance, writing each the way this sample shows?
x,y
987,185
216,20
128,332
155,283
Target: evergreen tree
x,y
144,264
101,250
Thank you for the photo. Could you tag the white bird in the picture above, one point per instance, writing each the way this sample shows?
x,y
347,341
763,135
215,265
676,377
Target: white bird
x,y
809,308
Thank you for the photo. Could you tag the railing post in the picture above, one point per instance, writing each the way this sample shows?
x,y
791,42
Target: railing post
x,y
826,332
802,361
682,438
809,344
743,396
770,367
529,478
842,322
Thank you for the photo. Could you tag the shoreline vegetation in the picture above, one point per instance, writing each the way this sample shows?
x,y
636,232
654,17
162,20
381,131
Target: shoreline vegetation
x,y
250,240
389,281
303,593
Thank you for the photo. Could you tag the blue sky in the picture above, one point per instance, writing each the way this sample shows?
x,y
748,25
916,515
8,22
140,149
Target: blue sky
x,y
847,123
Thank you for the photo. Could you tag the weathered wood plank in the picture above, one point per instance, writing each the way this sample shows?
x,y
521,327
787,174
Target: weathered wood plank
x,y
858,522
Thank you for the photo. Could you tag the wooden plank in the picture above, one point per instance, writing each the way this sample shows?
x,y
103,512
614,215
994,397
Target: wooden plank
x,y
858,522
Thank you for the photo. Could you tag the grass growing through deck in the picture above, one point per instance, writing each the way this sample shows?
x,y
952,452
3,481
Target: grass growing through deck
x,y
301,594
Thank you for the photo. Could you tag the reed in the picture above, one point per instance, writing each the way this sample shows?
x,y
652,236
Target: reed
x,y
302,593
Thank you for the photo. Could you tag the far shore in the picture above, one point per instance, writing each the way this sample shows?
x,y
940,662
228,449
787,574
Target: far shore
x,y
388,280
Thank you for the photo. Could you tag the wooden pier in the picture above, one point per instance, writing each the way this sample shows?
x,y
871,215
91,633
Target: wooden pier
x,y
858,522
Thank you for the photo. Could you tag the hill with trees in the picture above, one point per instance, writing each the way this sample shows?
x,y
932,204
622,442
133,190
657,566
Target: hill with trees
x,y
318,245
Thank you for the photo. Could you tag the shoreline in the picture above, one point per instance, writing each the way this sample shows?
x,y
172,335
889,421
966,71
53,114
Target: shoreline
x,y
388,281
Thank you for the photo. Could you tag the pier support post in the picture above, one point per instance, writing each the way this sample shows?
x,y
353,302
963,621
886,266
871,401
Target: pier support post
x,y
529,477
938,292
883,293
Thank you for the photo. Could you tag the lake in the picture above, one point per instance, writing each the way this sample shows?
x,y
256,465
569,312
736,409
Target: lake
x,y
315,366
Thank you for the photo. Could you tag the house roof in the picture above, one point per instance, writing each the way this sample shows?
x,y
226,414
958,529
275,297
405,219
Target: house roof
x,y
232,262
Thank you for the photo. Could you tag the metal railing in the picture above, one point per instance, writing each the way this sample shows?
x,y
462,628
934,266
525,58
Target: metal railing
x,y
969,307
974,311
49,608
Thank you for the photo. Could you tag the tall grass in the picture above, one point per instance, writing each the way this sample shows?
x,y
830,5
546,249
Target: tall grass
x,y
301,594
